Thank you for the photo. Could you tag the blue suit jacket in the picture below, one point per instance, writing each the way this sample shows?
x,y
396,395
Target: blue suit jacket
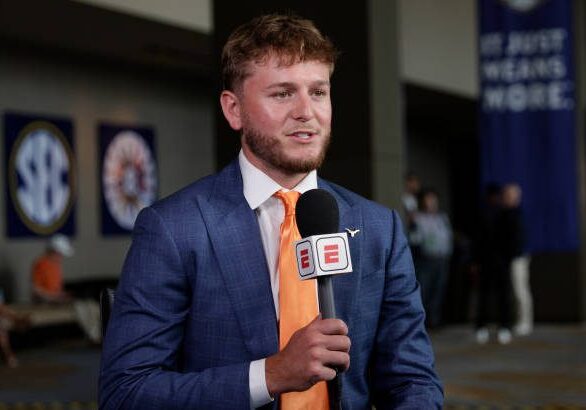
x,y
194,307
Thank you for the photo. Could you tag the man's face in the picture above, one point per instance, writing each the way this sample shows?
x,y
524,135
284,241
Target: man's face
x,y
286,115
511,196
430,202
413,185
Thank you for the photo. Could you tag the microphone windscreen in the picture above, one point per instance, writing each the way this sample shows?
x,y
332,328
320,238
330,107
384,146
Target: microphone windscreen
x,y
317,213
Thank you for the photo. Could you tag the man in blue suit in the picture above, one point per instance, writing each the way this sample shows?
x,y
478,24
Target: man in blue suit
x,y
195,321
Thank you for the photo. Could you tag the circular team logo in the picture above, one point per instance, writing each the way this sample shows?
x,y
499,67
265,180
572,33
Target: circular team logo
x,y
129,177
523,5
41,177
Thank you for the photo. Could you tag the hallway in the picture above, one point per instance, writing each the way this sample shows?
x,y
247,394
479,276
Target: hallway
x,y
545,371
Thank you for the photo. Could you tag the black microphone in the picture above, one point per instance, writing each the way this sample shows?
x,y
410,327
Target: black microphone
x,y
317,213
322,253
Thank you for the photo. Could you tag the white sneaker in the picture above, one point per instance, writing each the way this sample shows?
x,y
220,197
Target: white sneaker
x,y
481,336
504,336
523,329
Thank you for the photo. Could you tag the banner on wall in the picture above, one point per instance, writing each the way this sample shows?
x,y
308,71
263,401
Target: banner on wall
x,y
527,113
128,175
40,175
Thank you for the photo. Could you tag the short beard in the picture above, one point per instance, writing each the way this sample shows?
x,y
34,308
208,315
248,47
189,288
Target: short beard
x,y
267,149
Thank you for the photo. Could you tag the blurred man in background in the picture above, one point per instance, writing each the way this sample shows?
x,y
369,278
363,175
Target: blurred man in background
x,y
494,254
431,233
519,268
410,197
48,287
47,272
10,320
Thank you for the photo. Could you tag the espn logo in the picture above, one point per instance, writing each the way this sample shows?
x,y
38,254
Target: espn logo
x,y
304,258
323,255
331,252
304,253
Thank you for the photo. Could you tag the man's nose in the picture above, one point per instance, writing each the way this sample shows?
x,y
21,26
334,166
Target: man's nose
x,y
303,108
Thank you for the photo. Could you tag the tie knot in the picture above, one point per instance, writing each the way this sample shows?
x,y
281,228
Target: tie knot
x,y
289,200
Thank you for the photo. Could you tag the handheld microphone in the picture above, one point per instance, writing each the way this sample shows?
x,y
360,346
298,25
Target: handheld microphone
x,y
322,253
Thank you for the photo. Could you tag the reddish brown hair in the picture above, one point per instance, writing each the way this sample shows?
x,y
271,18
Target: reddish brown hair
x,y
290,38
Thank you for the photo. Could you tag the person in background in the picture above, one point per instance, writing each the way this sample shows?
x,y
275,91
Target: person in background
x,y
432,234
409,198
47,272
494,282
515,252
48,288
410,206
9,320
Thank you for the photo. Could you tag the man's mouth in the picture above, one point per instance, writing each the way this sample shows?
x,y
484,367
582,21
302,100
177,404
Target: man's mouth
x,y
304,135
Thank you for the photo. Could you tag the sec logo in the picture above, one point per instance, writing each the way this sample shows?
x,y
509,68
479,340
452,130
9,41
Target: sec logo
x,y
41,177
128,177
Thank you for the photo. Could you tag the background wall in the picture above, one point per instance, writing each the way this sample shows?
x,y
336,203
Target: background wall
x,y
438,44
437,39
406,91
180,113
429,155
191,14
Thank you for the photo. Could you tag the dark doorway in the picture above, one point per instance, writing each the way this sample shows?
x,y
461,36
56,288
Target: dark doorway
x,y
442,148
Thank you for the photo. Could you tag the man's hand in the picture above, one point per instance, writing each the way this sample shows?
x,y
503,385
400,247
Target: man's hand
x,y
310,356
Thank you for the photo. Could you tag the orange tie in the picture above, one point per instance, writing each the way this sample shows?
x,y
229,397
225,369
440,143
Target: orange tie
x,y
297,305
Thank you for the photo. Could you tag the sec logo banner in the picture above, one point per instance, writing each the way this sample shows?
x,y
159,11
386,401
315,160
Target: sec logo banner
x,y
129,176
41,175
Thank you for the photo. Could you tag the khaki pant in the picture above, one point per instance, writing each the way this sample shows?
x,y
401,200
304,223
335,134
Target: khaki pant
x,y
87,313
522,294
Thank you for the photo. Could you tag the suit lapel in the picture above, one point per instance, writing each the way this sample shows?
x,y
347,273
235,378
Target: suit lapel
x,y
237,244
347,285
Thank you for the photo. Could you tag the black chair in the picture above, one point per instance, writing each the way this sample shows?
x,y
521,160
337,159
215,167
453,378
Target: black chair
x,y
106,302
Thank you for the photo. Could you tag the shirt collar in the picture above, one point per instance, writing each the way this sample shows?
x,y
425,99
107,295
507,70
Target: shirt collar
x,y
258,186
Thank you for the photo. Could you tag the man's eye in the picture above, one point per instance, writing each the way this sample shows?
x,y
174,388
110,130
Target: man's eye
x,y
320,93
282,94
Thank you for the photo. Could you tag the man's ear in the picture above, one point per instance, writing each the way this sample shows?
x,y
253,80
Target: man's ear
x,y
231,109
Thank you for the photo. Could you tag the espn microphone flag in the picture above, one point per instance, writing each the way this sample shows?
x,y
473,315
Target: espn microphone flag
x,y
321,255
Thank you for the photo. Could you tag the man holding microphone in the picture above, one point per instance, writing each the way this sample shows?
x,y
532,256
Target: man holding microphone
x,y
210,312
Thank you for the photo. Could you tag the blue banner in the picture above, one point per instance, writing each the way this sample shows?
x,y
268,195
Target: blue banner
x,y
527,113
40,175
128,175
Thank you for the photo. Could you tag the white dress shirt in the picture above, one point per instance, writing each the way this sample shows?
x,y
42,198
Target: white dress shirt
x,y
270,212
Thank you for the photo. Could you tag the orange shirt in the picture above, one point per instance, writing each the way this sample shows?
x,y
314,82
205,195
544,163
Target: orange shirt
x,y
47,275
